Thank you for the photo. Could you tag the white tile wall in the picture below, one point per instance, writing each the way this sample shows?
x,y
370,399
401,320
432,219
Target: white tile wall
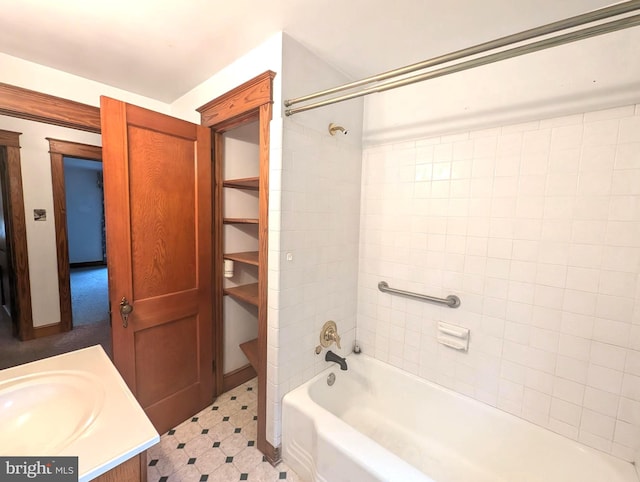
x,y
314,214
536,227
316,225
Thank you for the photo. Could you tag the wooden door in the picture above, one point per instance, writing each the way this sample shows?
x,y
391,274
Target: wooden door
x,y
157,187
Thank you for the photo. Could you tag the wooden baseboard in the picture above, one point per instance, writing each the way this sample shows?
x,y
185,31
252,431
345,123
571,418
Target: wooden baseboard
x,y
273,455
237,377
48,330
87,264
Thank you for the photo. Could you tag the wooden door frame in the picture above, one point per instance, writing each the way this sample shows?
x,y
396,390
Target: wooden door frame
x,y
58,150
247,102
18,236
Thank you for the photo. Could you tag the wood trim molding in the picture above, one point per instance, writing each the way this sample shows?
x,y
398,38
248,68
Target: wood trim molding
x,y
18,230
88,264
75,149
263,272
239,101
10,139
48,330
272,453
217,263
58,149
237,377
36,106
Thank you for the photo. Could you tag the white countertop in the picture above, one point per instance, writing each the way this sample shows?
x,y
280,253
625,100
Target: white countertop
x,y
112,428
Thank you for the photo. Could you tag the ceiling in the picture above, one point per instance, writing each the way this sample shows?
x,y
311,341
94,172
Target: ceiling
x,y
164,48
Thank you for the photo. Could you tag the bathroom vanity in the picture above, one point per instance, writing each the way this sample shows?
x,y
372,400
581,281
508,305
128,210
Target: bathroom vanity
x,y
75,404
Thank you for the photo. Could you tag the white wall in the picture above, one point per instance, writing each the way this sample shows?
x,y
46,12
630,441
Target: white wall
x,y
241,160
318,229
266,56
38,194
36,167
37,77
536,227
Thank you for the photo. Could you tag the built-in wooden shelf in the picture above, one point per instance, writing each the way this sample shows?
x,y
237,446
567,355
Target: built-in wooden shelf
x,y
240,221
247,293
250,350
250,183
247,257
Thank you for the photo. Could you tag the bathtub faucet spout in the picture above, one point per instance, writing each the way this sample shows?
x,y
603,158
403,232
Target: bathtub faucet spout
x,y
330,356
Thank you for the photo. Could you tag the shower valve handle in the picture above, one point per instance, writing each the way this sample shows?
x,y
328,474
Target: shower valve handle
x,y
329,334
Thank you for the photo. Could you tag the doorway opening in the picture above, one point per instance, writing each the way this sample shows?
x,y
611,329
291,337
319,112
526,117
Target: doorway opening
x,y
84,199
78,201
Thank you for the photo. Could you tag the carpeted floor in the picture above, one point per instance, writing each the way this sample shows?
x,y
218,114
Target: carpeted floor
x,y
90,305
89,295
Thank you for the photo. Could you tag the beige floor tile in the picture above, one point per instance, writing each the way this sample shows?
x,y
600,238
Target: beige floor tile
x,y
247,459
232,406
167,464
153,474
209,461
209,418
224,473
187,430
291,475
233,444
220,431
168,443
240,418
198,445
250,430
190,473
265,472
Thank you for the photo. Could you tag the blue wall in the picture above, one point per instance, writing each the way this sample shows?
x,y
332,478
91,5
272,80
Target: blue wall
x,y
84,210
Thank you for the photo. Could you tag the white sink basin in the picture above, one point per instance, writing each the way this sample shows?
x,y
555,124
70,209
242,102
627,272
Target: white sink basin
x,y
75,404
42,413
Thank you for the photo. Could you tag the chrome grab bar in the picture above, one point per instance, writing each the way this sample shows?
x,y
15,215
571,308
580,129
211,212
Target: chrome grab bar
x,y
452,301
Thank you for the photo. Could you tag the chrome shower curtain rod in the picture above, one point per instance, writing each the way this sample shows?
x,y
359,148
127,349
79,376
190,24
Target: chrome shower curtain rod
x,y
600,14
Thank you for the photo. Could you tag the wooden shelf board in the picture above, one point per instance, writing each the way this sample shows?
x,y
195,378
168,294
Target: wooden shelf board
x,y
247,293
240,221
250,350
247,257
250,183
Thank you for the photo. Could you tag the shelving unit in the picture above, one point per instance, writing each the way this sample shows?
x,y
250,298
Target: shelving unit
x,y
246,293
247,257
239,208
249,183
240,221
250,349
239,121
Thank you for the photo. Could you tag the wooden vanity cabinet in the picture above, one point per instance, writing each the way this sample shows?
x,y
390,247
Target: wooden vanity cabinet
x,y
132,470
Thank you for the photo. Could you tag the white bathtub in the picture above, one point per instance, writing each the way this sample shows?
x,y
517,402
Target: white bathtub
x,y
378,423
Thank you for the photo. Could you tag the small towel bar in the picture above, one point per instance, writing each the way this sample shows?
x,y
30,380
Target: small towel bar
x,y
452,301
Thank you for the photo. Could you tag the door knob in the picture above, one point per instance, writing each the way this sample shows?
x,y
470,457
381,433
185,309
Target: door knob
x,y
125,311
